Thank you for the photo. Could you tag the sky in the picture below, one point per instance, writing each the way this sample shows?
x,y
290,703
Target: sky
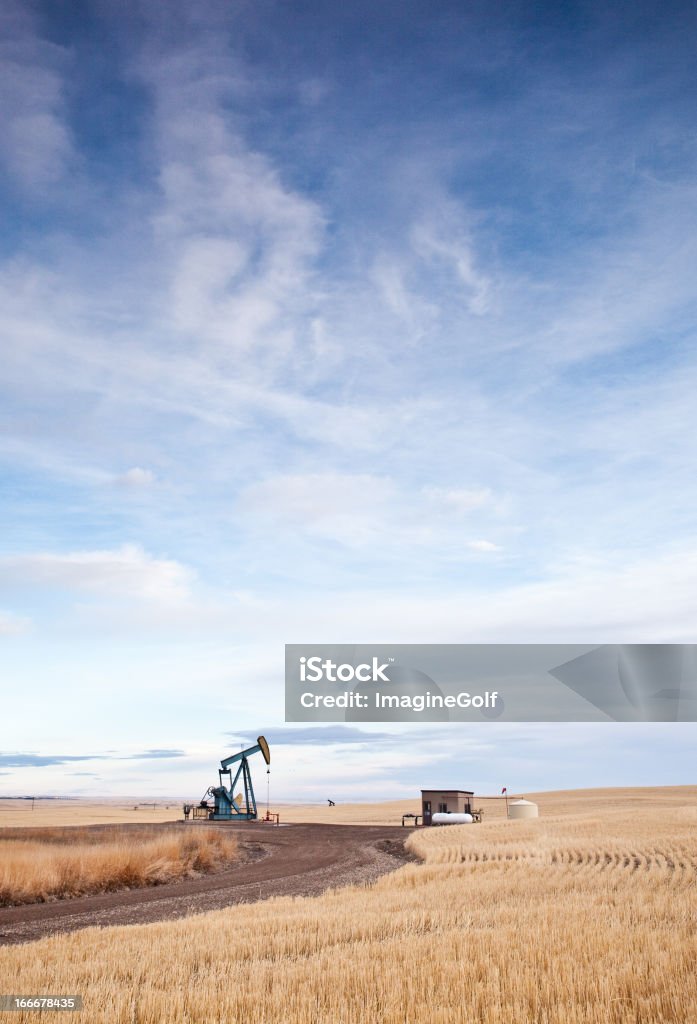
x,y
338,324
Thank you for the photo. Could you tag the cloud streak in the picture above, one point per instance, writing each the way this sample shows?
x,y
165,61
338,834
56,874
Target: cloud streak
x,y
320,736
125,572
156,755
31,760
43,760
36,147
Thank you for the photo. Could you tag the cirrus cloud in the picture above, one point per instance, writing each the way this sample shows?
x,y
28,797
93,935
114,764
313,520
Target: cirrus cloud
x,y
127,571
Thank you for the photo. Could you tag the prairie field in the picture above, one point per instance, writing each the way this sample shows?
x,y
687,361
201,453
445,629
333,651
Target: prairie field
x,y
54,813
51,813
382,813
587,915
57,863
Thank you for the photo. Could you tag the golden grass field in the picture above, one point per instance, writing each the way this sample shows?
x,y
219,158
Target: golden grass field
x,y
43,867
48,813
18,813
587,915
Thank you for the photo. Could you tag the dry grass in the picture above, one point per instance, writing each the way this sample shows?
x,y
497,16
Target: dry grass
x,y
561,801
59,864
18,813
384,813
586,916
47,813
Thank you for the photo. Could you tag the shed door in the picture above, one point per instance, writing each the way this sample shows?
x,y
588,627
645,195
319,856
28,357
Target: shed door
x,y
427,812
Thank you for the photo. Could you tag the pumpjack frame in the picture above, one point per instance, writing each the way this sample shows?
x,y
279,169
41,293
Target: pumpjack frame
x,y
227,806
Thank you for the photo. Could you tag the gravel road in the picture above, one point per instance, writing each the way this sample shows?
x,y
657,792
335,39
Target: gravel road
x,y
291,860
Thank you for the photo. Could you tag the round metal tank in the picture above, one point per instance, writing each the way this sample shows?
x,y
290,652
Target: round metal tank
x,y
440,818
522,809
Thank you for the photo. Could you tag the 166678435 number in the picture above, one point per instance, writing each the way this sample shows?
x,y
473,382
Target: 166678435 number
x,y
54,1002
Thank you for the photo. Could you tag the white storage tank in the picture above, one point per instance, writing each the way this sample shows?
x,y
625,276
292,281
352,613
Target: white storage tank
x,y
522,809
441,818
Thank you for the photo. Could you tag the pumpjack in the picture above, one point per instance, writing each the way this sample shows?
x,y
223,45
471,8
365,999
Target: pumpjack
x,y
227,806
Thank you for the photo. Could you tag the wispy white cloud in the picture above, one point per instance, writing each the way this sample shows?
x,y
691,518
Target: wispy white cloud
x,y
237,243
459,499
35,144
440,244
365,511
482,545
303,500
127,571
136,477
650,600
11,625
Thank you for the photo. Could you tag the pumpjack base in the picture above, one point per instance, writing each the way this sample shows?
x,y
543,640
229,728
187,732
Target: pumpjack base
x,y
233,817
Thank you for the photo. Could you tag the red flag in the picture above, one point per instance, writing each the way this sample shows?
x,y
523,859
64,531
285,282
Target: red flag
x,y
504,790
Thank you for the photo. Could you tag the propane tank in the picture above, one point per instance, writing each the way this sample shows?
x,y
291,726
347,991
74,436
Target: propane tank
x,y
441,818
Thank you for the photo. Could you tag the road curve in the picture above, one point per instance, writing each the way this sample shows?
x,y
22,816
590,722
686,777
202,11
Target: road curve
x,y
293,860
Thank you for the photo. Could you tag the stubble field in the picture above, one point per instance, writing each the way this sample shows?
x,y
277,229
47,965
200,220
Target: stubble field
x,y
585,916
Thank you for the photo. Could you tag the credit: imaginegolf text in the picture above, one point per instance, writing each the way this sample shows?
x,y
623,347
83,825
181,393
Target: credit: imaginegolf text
x,y
491,682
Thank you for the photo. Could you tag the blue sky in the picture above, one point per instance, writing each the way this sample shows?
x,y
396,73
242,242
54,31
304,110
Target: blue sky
x,y
343,325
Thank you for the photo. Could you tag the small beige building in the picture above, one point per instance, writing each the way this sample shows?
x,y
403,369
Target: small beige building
x,y
445,801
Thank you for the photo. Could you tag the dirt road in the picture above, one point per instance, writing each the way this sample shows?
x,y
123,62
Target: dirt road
x,y
293,860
